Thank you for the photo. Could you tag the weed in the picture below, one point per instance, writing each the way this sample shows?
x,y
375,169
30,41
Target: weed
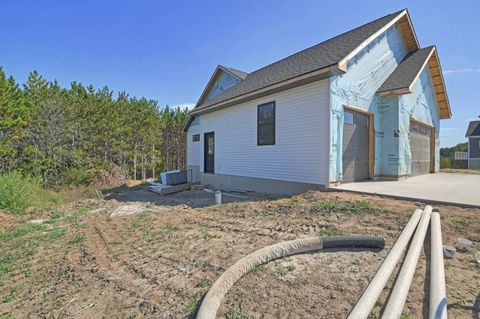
x,y
150,234
8,298
295,285
206,234
404,316
460,224
283,271
233,313
258,268
205,282
471,261
349,207
116,242
76,239
296,199
327,232
13,293
170,229
58,302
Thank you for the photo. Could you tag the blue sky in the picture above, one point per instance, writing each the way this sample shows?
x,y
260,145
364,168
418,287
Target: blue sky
x,y
168,50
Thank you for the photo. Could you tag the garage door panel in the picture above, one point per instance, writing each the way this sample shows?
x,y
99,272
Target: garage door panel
x,y
420,141
355,147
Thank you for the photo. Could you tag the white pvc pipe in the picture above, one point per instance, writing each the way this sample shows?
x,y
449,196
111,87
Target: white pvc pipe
x,y
438,300
395,304
366,303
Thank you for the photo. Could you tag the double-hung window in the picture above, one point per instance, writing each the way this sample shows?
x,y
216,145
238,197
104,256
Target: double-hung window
x,y
266,124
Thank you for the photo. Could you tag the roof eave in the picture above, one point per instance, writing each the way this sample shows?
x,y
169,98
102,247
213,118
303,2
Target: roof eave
x,y
438,83
280,86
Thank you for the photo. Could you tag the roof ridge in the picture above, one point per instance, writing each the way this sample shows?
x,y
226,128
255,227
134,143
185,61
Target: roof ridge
x,y
326,55
239,73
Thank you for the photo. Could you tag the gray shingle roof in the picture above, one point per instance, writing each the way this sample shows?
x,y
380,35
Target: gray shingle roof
x,y
317,57
406,72
473,129
242,75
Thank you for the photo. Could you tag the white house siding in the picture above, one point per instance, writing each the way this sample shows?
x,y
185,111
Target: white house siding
x,y
193,151
300,153
193,148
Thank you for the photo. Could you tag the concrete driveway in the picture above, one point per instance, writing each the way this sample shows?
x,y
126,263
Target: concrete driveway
x,y
459,189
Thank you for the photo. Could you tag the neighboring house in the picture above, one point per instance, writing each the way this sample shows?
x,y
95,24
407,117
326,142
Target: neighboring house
x,y
473,135
363,105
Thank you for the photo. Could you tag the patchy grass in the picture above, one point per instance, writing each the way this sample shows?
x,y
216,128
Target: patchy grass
x,y
170,229
258,268
297,199
14,291
19,246
207,235
349,207
283,271
205,282
233,313
76,239
327,232
460,224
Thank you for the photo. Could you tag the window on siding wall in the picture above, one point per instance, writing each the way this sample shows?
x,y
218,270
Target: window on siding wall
x,y
266,124
196,137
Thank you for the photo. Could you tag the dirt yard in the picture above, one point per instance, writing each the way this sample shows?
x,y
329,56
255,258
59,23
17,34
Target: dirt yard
x,y
136,255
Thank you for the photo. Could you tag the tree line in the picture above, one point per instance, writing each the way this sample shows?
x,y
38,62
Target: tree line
x,y
80,134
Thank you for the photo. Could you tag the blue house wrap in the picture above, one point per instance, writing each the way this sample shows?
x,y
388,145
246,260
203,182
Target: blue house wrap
x,y
357,88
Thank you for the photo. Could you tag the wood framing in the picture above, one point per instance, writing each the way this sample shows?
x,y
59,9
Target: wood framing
x,y
405,26
439,86
371,138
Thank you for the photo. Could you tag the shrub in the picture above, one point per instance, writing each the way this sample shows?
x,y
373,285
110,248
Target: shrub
x,y
445,162
18,192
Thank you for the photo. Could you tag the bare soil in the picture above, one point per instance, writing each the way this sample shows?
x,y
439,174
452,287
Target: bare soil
x,y
159,261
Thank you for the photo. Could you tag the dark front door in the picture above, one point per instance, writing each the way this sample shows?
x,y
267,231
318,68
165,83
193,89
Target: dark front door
x,y
355,146
209,153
